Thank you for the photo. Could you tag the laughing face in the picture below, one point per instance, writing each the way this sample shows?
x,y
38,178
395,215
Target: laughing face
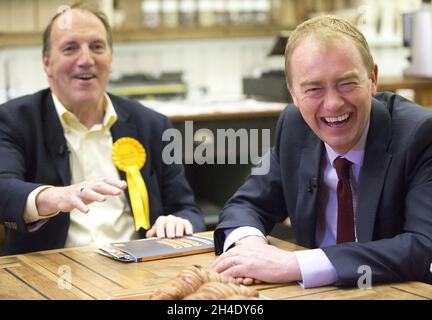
x,y
332,89
79,62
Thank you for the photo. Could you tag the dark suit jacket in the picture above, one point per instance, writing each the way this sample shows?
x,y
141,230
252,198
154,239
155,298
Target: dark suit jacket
x,y
32,153
394,207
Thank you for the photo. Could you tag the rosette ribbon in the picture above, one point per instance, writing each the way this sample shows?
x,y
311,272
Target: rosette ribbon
x,y
129,155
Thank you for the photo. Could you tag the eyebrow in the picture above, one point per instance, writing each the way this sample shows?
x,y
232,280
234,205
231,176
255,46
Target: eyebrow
x,y
77,38
347,75
68,43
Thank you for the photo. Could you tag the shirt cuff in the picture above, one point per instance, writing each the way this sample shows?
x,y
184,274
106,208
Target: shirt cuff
x,y
316,268
31,213
235,234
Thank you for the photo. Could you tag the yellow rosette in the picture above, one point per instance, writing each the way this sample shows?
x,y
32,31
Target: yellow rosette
x,y
129,156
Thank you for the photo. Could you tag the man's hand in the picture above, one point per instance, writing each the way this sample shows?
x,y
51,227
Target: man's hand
x,y
77,196
253,261
170,226
251,241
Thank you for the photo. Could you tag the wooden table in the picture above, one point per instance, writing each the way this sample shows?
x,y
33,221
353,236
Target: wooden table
x,y
422,87
217,110
41,275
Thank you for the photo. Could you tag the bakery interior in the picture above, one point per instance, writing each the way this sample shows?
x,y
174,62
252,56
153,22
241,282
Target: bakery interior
x,y
218,63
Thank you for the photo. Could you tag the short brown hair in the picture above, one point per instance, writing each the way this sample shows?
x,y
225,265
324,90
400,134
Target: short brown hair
x,y
46,36
326,28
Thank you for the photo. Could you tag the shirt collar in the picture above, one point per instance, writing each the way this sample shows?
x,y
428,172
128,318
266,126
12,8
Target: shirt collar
x,y
68,119
356,154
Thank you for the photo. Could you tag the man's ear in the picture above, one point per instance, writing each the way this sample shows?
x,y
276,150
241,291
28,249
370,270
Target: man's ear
x,y
46,66
111,62
374,82
293,96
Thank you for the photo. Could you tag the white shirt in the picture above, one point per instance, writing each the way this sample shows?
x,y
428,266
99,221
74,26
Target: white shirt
x,y
315,267
90,158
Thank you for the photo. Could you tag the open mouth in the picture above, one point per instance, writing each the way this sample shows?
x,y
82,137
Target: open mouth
x,y
338,121
85,76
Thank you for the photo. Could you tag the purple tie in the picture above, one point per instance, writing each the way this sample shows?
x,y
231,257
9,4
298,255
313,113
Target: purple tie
x,y
345,218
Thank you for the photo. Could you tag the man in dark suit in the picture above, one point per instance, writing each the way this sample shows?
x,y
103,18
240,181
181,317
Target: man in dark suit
x,y
58,184
350,167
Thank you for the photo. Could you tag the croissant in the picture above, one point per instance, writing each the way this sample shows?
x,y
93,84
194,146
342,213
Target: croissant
x,y
194,279
218,290
198,273
240,297
175,289
187,282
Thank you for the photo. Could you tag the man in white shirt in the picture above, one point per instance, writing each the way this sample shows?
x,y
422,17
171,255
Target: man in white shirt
x,y
59,184
350,167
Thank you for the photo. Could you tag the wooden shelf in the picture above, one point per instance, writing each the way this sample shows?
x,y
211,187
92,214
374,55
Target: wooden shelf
x,y
186,33
29,39
422,87
20,39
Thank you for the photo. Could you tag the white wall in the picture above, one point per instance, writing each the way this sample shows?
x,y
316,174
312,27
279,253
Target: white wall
x,y
21,70
217,65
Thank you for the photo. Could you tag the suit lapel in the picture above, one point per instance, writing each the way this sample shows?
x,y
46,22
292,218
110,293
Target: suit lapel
x,y
55,140
309,174
373,173
122,127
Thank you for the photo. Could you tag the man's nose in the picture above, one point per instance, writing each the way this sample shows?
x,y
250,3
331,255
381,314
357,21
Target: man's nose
x,y
85,57
333,99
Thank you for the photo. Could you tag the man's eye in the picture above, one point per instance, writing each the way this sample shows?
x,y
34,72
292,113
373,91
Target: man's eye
x,y
98,47
68,49
347,85
312,90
